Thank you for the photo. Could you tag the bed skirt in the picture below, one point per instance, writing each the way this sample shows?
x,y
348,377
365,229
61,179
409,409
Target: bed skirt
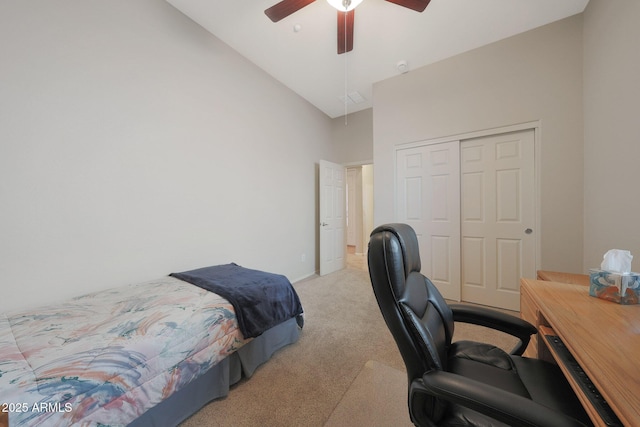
x,y
217,381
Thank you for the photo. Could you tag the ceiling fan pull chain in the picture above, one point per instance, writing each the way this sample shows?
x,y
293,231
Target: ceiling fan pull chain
x,y
345,67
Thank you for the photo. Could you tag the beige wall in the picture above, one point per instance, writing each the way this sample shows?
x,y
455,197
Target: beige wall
x,y
353,139
611,123
534,76
133,144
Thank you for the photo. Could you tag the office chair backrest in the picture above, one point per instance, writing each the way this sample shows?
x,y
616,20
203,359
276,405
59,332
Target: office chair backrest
x,y
415,312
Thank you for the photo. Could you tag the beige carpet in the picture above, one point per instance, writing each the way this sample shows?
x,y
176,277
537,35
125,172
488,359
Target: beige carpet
x,y
376,398
344,370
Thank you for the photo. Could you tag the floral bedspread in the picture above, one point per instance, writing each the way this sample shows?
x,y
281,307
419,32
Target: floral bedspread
x,y
107,357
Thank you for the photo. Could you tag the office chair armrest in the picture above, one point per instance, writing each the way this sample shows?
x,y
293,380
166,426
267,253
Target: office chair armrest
x,y
512,409
497,320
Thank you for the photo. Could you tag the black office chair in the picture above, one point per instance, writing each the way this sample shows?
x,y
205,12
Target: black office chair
x,y
463,383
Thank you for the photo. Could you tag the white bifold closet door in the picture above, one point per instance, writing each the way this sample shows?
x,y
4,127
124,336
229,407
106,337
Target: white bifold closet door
x,y
428,199
472,204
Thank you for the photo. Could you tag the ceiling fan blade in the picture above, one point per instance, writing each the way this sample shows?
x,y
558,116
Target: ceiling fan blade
x,y
345,31
417,5
285,8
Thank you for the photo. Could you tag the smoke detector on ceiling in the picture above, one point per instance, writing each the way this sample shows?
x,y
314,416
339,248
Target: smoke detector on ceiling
x,y
402,66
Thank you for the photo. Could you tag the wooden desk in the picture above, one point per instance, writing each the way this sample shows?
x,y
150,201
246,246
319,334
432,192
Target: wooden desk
x,y
603,337
557,276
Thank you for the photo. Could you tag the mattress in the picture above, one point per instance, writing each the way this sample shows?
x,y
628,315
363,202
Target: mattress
x,y
108,357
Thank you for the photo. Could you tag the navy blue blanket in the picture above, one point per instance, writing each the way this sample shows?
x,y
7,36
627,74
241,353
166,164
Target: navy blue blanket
x,y
261,300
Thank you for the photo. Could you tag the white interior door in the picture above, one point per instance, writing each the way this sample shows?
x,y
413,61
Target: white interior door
x,y
498,217
332,217
428,199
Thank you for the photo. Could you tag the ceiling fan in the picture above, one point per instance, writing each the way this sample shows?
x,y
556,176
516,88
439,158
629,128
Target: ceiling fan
x,y
346,12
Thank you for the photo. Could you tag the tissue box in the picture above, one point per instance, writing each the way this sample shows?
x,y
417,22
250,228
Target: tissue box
x,y
621,288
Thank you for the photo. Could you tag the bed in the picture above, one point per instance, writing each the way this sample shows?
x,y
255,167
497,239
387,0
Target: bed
x,y
141,355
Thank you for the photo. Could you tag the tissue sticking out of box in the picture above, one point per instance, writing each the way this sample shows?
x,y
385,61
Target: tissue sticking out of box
x,y
617,261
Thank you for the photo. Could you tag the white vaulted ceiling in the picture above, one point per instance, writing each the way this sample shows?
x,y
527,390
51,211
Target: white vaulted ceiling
x,y
384,34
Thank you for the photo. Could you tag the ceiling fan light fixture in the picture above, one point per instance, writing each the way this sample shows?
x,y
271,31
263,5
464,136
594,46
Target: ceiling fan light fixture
x,y
344,5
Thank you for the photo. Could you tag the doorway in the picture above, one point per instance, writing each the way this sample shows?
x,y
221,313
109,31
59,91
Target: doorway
x,y
359,205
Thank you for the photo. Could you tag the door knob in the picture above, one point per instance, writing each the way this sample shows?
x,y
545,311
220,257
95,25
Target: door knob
x,y
324,224
528,231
